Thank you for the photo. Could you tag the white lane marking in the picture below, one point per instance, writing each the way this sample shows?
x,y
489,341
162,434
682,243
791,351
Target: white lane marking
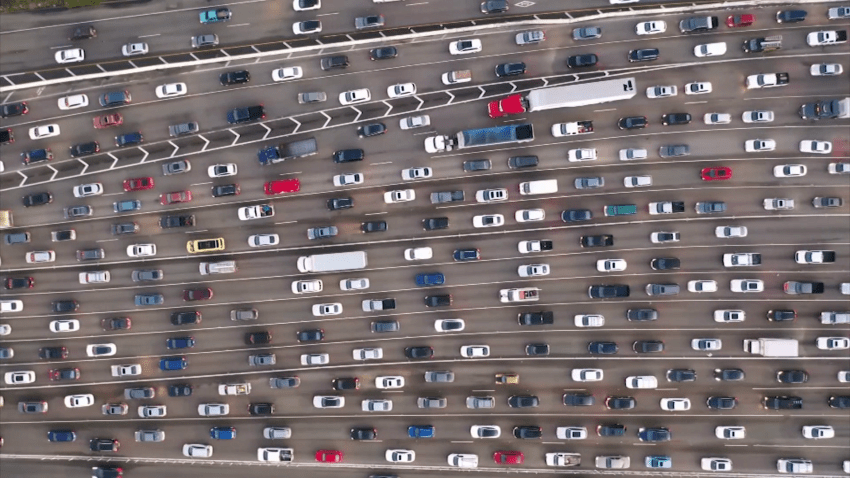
x,y
285,222
286,174
378,164
374,213
201,184
238,25
106,240
415,4
150,36
327,14
58,47
696,102
113,194
609,109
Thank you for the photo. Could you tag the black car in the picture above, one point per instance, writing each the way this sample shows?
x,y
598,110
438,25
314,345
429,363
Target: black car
x,y
128,139
313,335
383,53
521,162
781,315
792,376
333,62
384,326
65,374
620,403
14,109
523,401
60,306
602,348
729,374
444,300
615,430
104,444
19,283
49,353
116,323
608,291
528,432
790,16
576,215
602,240
643,54
185,318
537,349
665,263
510,69
461,255
234,77
721,403
258,338
476,165
839,401
675,118
84,149
374,129
347,383
681,375
335,204
654,434
373,226
179,390
107,472
434,223
125,228
641,315
494,6
348,155
543,317
261,409
6,136
648,346
579,399
580,61
226,190
632,122
67,235
419,352
364,434
776,402
166,222
83,33
37,199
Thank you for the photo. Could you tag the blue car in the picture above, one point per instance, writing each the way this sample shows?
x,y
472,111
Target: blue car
x,y
430,279
223,433
180,342
173,363
215,15
61,435
467,255
420,431
655,461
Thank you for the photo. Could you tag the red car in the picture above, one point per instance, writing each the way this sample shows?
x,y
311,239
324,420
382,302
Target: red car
x,y
282,186
65,374
329,456
197,294
508,458
105,121
138,184
717,173
743,20
175,197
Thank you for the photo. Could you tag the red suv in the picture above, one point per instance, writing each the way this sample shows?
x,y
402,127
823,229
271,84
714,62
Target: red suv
x,y
508,458
138,184
281,186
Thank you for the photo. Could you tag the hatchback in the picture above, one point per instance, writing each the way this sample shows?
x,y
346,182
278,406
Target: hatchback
x,y
580,61
510,69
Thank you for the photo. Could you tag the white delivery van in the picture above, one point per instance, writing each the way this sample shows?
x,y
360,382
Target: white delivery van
x,y
223,267
542,186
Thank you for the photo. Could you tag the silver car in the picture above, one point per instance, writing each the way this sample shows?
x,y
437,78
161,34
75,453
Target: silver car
x,y
480,402
530,37
201,41
244,314
262,359
176,167
150,435
674,150
431,402
277,433
442,376
312,97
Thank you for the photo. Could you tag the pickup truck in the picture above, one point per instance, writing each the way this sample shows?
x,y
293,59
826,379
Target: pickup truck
x,y
759,45
166,222
742,259
666,207
534,246
796,287
826,37
256,212
215,15
446,196
378,304
525,294
244,115
234,389
767,80
574,127
278,455
814,257
698,24
829,109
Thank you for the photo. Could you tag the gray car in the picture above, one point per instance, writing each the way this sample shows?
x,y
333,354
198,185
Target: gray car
x,y
590,183
146,392
78,211
480,402
277,433
32,407
150,435
17,238
431,402
322,232
674,150
262,359
587,33
443,376
176,167
710,207
284,382
201,41
371,21
183,129
662,289
125,228
147,275
244,314
530,38
149,299
312,97
126,206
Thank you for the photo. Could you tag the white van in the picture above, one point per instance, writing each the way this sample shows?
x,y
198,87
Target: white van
x,y
223,267
542,186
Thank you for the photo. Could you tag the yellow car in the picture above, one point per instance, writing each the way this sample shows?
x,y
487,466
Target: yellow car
x,y
507,378
205,245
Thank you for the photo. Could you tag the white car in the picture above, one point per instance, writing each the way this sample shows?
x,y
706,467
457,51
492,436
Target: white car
x,y
5,329
717,118
833,343
372,353
389,382
64,325
632,154
488,220
611,265
213,409
348,179
101,350
273,455
416,173
698,88
485,431
789,170
637,181
581,154
818,431
757,116
613,461
571,433
355,96
815,146
170,90
141,250
94,277
729,315
675,404
716,464
473,351
73,102
530,215
641,381
322,310
746,285
414,122
13,305
133,49
193,450
759,145
661,91
374,405
465,47
400,456
778,204
315,359
449,325
79,401
86,190
399,195
587,374
661,237
307,27
706,344
44,131
826,69
262,240
589,320
401,89
533,270
838,168
730,432
702,286
152,411
463,460
222,170
710,49
306,286
361,283
730,231
286,74
328,401
651,28
296,5
491,195
418,253
20,378
72,55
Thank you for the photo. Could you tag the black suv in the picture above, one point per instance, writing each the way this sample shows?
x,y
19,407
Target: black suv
x,y
675,118
665,263
466,255
336,204
607,291
14,109
476,165
632,122
728,375
510,69
261,408
60,306
576,215
648,346
792,376
444,300
348,155
226,190
611,430
435,223
602,240
37,199
84,149
383,53
641,315
48,353
536,318
347,383
602,348
125,228
373,226
681,375
643,54
83,33
373,129
579,400
331,62
313,335
422,352
176,221
520,162
184,318
782,403
620,403
528,432
537,349
580,61
721,403
234,77
104,444
790,16
781,315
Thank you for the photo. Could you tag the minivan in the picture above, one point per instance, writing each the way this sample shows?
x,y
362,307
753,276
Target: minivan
x,y
17,238
223,267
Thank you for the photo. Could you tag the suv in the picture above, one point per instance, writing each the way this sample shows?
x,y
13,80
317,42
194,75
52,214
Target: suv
x,y
115,98
335,204
434,223
129,139
234,77
226,190
385,326
444,300
184,318
36,156
520,162
371,21
90,254
510,69
383,53
348,155
602,240
476,165
790,16
607,291
675,118
332,62
643,54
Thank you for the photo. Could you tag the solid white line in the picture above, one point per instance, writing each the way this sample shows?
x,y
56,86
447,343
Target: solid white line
x,y
414,4
286,174
286,222
113,194
201,184
609,109
58,47
106,240
374,213
326,14
238,25
195,232
150,36
385,162
696,102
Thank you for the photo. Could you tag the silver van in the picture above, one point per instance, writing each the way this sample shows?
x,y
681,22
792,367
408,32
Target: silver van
x,y
223,267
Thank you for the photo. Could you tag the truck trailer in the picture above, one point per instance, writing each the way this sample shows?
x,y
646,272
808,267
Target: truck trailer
x,y
471,138
580,94
772,347
333,262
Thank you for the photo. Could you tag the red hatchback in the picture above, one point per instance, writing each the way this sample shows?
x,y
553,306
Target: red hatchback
x,y
197,294
508,458
282,186
717,173
176,197
329,456
105,121
138,184
743,20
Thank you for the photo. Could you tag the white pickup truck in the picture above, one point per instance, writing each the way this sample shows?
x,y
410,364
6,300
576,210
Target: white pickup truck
x,y
767,80
255,212
234,389
826,37
742,259
525,294
814,257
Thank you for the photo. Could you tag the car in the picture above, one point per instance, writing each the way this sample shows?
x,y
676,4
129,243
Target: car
x,y
152,411
702,286
721,403
73,102
648,346
716,464
717,118
602,348
674,150
590,183
389,382
706,344
370,21
20,378
637,181
654,434
729,315
50,353
322,310
79,401
116,323
508,457
789,170
530,215
65,235
419,352
71,55
37,199
174,363
416,173
620,403
662,237
523,401
651,27
783,402
576,215
355,96
778,204
641,381
710,49
86,190
31,258
571,433
222,170
414,122
61,436
815,146
839,401
101,350
307,27
315,359
401,90
149,435
474,351
759,145
632,122
729,375
757,116
170,90
94,277
832,343
175,197
312,97
610,430
322,232
465,47
234,77
611,265
197,294
581,61
78,211
730,432
792,376
716,173
826,69
104,444
675,119
476,165
643,54
661,91
134,49
710,207
312,335
820,202
533,270
581,154
347,179
44,131
373,405
19,283
128,139
138,184
675,404
531,37
698,88
193,450
329,456
488,220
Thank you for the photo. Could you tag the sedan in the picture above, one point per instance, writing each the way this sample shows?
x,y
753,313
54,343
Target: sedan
x,y
706,344
721,403
195,450
322,310
64,325
702,286
815,146
328,401
651,28
369,130
197,294
133,49
508,458
73,102
44,131
510,69
416,173
307,27
414,122
675,404
400,456
789,171
73,55
285,74
602,348
757,116
20,378
586,374
533,270
475,351
528,432
315,359
530,215
580,61
78,401
582,154
730,231
40,256
759,145
329,456
222,170
175,197
355,96
611,265
730,432
729,315
485,431
488,220
263,240
138,184
465,47
661,91
383,53
698,88
716,173
170,90
401,90
717,118
101,350
523,401
826,69
347,179
832,343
